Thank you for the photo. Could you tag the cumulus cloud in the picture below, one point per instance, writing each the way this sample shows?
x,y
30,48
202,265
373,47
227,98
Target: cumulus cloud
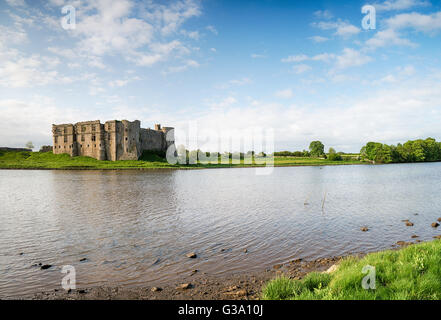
x,y
390,5
342,28
417,21
284,94
318,39
351,58
348,58
301,68
388,37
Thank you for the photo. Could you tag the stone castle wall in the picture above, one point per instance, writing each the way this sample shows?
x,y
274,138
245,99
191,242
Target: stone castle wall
x,y
113,140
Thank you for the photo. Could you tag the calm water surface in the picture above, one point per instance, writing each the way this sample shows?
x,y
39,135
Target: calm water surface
x,y
135,227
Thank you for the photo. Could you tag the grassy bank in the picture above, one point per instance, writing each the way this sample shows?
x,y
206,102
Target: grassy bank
x,y
411,273
47,160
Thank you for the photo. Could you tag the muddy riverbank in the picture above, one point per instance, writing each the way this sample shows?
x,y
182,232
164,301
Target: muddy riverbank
x,y
196,286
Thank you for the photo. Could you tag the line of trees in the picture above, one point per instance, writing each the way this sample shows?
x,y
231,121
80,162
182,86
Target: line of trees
x,y
412,151
316,150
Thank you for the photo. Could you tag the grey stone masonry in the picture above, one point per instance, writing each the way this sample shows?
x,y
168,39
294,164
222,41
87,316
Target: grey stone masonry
x,y
113,140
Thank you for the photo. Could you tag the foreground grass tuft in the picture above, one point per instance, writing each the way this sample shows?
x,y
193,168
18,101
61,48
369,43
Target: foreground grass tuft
x,y
412,273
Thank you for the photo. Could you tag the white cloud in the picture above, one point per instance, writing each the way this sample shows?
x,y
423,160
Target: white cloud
x,y
159,52
234,83
388,37
105,28
24,120
168,18
12,36
139,32
318,39
29,71
407,111
346,30
351,58
191,34
390,5
240,82
324,57
301,68
418,21
16,3
257,56
284,94
342,28
323,14
296,58
226,102
212,29
118,83
181,68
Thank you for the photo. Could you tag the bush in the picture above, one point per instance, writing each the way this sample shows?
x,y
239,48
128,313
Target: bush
x,y
334,157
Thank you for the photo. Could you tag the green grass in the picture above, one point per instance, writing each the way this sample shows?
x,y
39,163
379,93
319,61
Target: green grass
x,y
47,160
412,273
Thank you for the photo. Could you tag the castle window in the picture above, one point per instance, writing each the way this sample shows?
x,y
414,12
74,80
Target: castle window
x,y
126,138
93,128
82,137
95,145
93,138
127,149
65,130
83,128
65,138
56,139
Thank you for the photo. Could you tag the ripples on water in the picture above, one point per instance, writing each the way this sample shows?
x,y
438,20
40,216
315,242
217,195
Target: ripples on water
x,y
135,227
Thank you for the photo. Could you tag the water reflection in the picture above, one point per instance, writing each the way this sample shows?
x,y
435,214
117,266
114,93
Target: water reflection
x,y
135,227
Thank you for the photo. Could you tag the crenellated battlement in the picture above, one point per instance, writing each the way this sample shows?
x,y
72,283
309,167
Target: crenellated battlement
x,y
113,140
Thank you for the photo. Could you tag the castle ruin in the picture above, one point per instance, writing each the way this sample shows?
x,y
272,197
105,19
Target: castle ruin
x,y
113,140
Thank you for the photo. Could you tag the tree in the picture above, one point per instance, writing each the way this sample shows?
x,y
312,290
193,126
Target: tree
x,y
333,155
29,145
316,148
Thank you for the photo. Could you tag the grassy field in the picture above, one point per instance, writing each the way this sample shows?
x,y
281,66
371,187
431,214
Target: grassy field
x,y
412,273
47,160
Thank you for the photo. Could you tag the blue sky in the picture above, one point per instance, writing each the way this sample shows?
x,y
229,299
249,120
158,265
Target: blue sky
x,y
307,69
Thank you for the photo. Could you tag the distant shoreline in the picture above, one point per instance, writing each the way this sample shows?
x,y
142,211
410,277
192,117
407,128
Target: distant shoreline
x,y
49,161
190,168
